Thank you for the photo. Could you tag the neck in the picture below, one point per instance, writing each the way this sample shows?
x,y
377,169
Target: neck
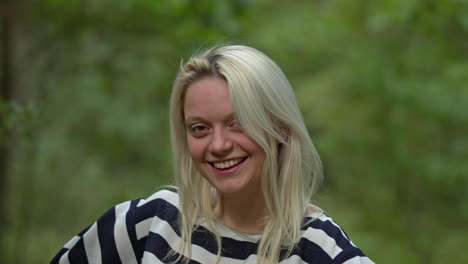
x,y
244,212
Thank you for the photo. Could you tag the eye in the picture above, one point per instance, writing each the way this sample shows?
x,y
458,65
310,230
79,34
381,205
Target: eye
x,y
198,130
235,125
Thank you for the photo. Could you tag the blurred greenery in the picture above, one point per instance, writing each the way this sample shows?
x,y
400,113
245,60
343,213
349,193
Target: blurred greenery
x,y
383,86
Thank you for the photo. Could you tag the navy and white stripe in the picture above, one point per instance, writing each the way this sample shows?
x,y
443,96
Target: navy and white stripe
x,y
146,230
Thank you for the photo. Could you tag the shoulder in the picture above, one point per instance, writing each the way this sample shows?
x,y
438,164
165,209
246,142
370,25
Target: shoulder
x,y
324,241
161,198
121,232
163,203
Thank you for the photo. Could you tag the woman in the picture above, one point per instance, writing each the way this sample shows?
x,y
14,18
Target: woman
x,y
245,169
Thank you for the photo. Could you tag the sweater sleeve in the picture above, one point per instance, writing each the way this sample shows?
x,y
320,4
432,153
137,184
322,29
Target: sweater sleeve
x,y
324,241
352,255
119,235
111,239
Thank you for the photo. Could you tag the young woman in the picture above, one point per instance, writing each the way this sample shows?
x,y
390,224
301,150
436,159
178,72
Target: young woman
x,y
245,169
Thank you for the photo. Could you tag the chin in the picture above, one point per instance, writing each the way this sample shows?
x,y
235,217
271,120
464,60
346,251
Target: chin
x,y
228,188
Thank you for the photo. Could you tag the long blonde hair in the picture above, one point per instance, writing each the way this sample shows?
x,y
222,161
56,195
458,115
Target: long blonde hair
x,y
267,110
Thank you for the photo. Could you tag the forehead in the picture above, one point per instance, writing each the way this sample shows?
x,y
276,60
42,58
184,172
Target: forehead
x,y
208,96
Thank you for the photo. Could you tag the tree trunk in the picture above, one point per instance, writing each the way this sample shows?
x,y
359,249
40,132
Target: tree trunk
x,y
6,94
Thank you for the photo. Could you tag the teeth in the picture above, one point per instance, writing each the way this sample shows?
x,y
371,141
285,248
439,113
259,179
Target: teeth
x,y
226,164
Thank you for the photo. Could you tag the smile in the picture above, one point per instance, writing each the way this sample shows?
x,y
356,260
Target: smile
x,y
225,165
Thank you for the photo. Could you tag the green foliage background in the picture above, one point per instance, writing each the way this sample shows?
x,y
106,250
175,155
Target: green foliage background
x,y
383,86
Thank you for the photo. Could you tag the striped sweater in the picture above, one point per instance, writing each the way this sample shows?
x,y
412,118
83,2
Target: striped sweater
x,y
146,230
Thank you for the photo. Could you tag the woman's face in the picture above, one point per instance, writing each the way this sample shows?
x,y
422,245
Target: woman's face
x,y
222,153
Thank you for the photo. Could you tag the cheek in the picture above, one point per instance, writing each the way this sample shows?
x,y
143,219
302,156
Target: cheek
x,y
195,149
259,154
260,160
253,148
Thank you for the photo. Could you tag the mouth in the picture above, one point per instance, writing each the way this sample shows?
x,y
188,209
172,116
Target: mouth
x,y
226,165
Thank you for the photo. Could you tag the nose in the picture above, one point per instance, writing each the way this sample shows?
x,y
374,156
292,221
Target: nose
x,y
221,144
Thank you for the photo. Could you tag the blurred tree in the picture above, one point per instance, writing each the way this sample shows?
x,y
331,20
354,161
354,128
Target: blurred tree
x,y
6,94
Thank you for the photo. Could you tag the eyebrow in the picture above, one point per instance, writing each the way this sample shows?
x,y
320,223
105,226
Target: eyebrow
x,y
191,119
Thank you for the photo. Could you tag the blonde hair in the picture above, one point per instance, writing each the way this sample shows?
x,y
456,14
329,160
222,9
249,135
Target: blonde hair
x,y
267,111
